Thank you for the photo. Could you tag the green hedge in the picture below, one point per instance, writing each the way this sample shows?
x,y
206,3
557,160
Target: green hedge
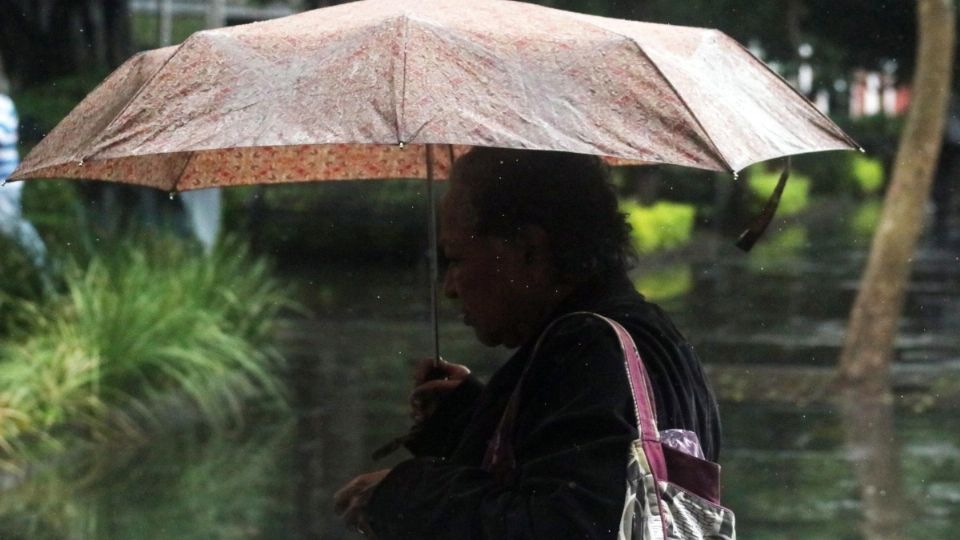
x,y
661,226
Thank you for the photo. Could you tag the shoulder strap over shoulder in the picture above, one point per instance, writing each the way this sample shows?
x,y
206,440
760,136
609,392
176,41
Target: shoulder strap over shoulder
x,y
499,457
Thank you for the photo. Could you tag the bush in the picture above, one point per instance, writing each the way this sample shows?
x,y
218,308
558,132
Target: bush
x,y
664,225
665,284
868,173
851,173
22,283
148,333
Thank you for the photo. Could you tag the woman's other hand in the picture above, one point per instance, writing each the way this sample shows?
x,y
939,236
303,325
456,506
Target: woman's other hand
x,y
350,501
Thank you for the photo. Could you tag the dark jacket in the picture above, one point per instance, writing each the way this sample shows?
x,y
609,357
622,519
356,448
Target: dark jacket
x,y
573,430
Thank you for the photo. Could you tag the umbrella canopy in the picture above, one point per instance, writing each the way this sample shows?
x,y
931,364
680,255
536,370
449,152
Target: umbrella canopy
x,y
352,91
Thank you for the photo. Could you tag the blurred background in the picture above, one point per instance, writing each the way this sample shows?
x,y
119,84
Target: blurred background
x,y
215,364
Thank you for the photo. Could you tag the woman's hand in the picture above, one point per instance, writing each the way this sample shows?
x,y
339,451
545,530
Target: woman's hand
x,y
432,382
350,501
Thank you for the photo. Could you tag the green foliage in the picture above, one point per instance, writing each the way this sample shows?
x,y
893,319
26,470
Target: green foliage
x,y
866,218
56,210
666,284
148,333
22,282
868,173
849,173
795,196
664,225
145,32
780,250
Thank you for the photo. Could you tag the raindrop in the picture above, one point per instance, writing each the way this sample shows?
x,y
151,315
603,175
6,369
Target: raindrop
x,y
173,195
401,145
80,163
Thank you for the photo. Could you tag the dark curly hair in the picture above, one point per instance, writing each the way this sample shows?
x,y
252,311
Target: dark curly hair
x,y
568,195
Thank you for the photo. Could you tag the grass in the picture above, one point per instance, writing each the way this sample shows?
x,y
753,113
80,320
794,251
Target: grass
x,y
146,335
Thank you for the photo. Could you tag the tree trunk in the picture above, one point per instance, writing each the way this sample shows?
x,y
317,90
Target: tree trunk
x,y
871,441
868,348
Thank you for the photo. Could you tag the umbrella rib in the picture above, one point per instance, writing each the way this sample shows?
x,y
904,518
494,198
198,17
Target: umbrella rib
x,y
130,101
400,104
713,145
849,140
186,163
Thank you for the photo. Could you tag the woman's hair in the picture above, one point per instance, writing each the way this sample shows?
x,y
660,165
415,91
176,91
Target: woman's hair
x,y
568,195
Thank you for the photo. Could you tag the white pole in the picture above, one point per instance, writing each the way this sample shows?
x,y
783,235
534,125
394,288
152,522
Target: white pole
x,y
216,13
165,16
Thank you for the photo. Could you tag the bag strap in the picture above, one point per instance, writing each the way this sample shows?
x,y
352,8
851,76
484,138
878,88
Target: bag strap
x,y
500,458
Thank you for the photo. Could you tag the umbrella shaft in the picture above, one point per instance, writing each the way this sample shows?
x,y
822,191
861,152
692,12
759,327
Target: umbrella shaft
x,y
434,264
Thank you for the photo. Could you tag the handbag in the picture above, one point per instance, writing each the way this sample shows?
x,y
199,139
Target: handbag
x,y
672,493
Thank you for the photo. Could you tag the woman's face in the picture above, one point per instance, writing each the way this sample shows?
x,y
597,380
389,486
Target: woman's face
x,y
503,286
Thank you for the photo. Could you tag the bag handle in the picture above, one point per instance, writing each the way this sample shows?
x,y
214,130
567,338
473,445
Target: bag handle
x,y
500,458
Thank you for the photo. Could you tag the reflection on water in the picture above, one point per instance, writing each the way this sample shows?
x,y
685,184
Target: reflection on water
x,y
820,469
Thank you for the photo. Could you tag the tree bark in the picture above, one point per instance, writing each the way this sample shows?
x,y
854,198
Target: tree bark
x,y
871,441
868,347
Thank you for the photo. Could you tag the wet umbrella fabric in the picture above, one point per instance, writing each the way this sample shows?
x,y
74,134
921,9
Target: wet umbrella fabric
x,y
353,91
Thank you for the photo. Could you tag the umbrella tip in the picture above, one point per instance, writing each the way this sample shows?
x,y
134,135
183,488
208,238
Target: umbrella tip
x,y
736,175
401,145
173,195
862,151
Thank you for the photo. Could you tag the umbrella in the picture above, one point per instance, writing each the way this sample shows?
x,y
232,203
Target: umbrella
x,y
397,88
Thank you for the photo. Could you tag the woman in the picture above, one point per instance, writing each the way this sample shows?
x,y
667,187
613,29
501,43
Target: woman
x,y
534,238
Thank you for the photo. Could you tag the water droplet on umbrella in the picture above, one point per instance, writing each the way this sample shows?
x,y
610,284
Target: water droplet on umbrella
x,y
401,145
862,151
736,175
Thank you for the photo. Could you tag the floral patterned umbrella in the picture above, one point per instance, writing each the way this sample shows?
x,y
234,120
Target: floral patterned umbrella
x,y
360,90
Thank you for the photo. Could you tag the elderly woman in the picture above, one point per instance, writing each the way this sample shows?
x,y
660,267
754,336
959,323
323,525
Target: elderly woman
x,y
532,237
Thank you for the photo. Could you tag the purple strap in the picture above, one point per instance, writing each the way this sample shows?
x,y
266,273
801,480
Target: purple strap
x,y
643,402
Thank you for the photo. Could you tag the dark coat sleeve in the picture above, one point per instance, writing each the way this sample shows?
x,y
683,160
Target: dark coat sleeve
x,y
573,431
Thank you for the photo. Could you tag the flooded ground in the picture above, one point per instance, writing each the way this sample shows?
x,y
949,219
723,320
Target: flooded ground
x,y
797,464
